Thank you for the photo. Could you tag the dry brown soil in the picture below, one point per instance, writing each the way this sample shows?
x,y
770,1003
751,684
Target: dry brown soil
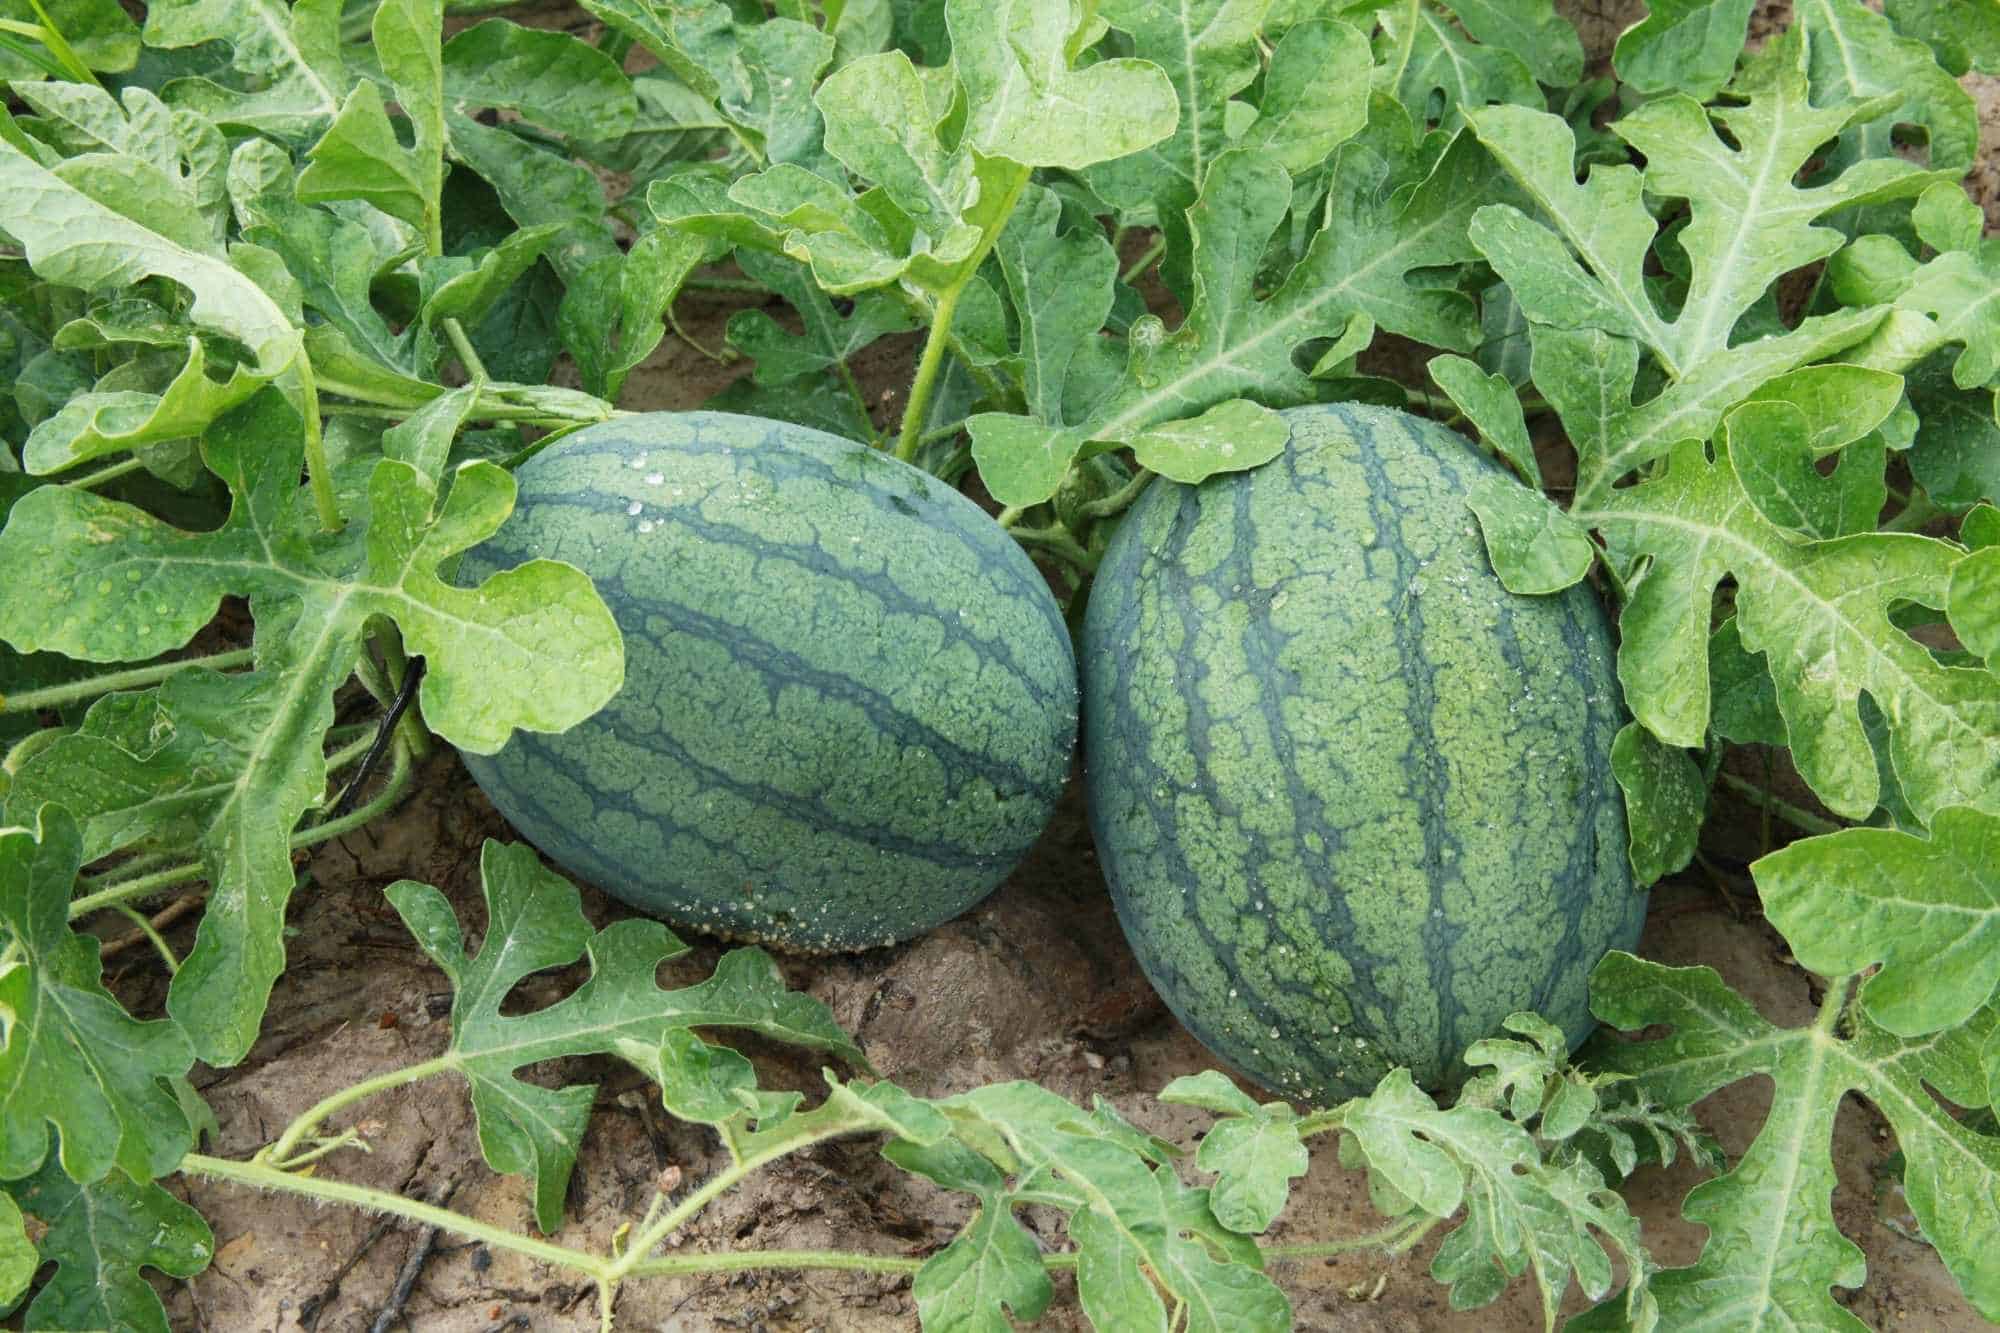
x,y
1037,983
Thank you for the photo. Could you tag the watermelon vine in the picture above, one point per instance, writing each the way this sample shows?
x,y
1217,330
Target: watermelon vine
x,y
290,292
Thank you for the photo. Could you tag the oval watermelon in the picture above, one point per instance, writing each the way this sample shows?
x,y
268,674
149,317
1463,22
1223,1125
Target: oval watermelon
x,y
1354,799
850,699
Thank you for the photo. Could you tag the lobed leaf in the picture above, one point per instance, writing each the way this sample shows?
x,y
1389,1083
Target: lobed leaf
x,y
535,922
73,239
288,73
71,1058
1254,1152
1027,103
100,1235
1666,799
1926,909
533,647
550,78
1773,1249
1393,213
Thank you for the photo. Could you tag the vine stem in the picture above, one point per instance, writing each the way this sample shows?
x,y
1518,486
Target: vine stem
x,y
1056,540
1145,261
1916,512
467,356
278,1154
1799,818
142,885
59,47
714,1187
54,696
607,1271
1396,1237
153,937
319,473
1119,500
259,1175
104,474
941,317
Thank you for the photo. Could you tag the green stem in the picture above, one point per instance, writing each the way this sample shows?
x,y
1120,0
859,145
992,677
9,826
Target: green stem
x,y
102,475
927,372
60,48
1804,820
319,473
279,1153
347,1138
141,886
1009,516
1832,1005
467,356
1147,258
1056,540
1397,1236
153,936
1322,1122
941,318
54,696
1915,514
1119,500
739,1261
258,1175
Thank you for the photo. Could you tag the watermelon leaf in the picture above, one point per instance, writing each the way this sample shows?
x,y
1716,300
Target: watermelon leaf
x,y
550,78
1687,46
74,238
1438,72
1523,1210
1490,403
287,75
1773,1249
535,921
991,1263
1255,1152
99,1236
1393,213
1129,1212
1210,52
1975,595
1855,56
1926,909
1962,36
18,1260
1696,525
532,647
1735,255
1666,799
1953,292
73,1060
1535,547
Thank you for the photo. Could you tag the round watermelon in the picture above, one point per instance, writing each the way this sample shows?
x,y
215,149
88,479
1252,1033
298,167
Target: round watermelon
x,y
1353,797
849,701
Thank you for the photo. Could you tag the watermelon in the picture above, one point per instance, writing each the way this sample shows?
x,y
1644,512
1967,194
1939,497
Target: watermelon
x,y
1354,799
850,699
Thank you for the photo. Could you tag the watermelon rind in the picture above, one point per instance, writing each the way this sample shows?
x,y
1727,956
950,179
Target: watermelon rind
x,y
1353,797
850,698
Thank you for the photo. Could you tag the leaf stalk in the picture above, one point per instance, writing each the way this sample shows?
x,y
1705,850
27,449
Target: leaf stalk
x,y
55,696
942,315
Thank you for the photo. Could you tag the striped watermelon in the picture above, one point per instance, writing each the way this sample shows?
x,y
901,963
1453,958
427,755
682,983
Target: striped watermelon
x,y
850,699
1353,797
